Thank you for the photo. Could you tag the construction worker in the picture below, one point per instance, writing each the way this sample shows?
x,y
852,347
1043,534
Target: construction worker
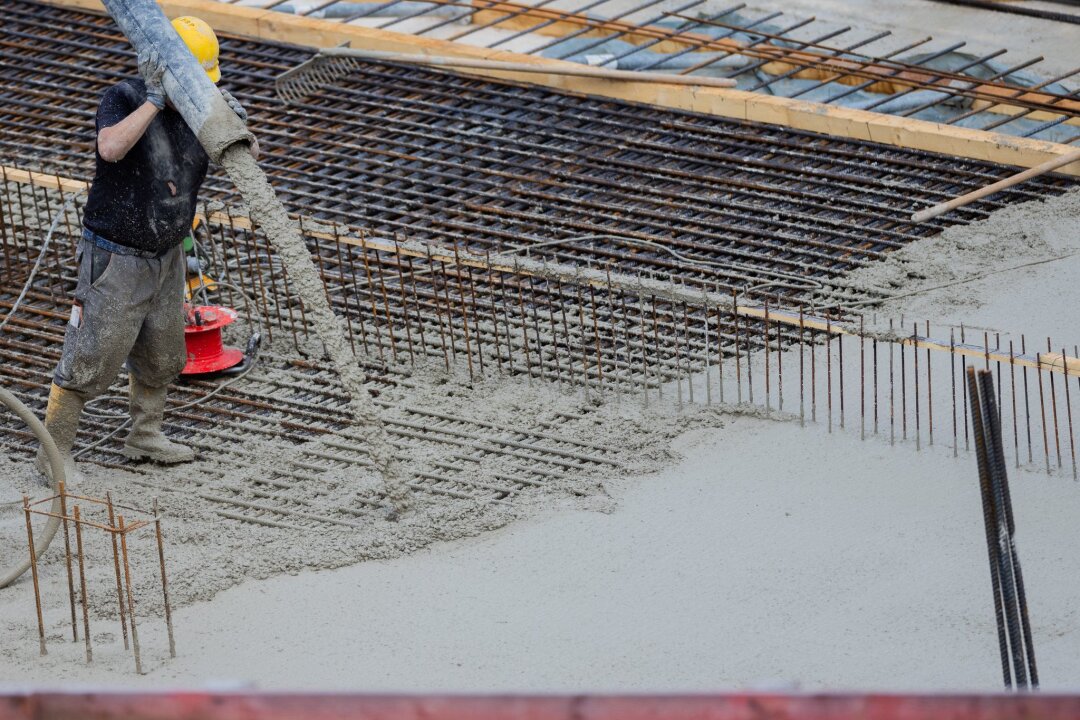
x,y
128,302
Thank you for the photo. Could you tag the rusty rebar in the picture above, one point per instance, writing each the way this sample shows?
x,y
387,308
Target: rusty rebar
x,y
34,574
164,579
82,583
62,492
116,566
130,594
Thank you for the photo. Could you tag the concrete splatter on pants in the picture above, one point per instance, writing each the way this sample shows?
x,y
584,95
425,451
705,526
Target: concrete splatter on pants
x,y
126,308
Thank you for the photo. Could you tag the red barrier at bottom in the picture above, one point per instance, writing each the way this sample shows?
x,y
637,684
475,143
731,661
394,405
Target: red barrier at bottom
x,y
271,706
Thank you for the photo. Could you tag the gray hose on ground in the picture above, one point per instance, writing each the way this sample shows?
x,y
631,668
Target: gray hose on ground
x,y
42,540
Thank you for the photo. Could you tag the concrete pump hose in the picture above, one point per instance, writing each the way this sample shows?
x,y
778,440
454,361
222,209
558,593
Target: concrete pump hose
x,y
41,540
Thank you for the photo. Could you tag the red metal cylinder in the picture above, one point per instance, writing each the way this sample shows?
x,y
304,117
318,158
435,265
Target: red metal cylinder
x,y
206,352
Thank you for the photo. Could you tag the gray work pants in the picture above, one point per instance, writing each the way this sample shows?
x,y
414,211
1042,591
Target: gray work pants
x,y
126,308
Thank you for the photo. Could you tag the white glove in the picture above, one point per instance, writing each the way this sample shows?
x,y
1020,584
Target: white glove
x,y
152,70
234,104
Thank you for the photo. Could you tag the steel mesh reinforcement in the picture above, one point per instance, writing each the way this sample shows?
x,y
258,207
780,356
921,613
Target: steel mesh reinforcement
x,y
471,227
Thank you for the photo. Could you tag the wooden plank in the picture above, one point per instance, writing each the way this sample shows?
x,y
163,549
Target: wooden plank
x,y
51,182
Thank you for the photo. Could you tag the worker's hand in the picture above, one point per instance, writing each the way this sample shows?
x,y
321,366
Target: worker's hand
x,y
152,69
234,104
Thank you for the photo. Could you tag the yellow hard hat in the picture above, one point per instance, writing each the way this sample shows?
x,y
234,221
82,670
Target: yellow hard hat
x,y
201,41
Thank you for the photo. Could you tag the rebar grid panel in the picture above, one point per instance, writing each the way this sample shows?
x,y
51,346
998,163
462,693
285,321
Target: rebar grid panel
x,y
404,306
611,336
292,402
497,167
763,51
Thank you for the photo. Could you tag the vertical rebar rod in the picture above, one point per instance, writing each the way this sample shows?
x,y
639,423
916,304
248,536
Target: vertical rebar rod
x,y
386,307
288,302
1015,416
350,254
405,305
273,280
678,354
1042,411
1027,402
371,297
1053,403
802,368
828,369
779,368
873,351
438,313
903,388
997,374
116,566
862,378
749,366
1068,412
644,350
62,491
476,317
765,337
929,391
465,313
738,360
566,333
707,354
524,333
255,279
656,349
82,583
585,342
555,338
416,304
495,319
345,295
915,368
34,574
505,307
720,352
892,391
164,579
952,372
964,395
813,378
840,353
596,339
686,345
130,594
536,328
625,325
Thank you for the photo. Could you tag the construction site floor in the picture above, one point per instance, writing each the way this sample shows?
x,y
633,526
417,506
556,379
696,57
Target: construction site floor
x,y
771,557
731,551
762,555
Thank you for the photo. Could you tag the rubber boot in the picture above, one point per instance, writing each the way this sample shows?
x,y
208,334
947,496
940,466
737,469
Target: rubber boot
x,y
62,421
146,441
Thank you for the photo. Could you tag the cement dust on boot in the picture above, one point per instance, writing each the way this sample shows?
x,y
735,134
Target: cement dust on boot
x,y
146,441
62,421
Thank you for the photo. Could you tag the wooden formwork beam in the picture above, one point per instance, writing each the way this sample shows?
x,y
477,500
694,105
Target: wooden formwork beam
x,y
728,103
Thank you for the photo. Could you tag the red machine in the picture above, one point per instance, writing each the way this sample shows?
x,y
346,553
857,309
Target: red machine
x,y
206,353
